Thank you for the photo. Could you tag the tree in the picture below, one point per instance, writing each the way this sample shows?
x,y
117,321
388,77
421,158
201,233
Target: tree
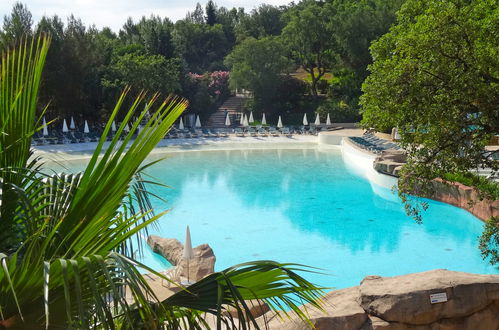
x,y
154,33
355,25
257,65
17,25
148,72
435,76
203,47
195,17
308,35
211,13
264,21
65,239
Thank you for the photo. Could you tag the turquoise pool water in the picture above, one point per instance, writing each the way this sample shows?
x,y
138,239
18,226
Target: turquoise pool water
x,y
310,207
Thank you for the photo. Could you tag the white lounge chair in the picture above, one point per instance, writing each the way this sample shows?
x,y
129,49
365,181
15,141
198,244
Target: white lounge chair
x,y
173,274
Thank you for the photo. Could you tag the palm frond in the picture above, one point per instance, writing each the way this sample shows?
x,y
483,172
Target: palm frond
x,y
61,235
20,76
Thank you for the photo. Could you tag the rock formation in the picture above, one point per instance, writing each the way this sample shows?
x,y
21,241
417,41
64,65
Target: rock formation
x,y
468,301
171,249
465,197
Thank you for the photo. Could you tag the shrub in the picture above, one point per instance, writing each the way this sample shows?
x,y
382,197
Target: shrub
x,y
339,110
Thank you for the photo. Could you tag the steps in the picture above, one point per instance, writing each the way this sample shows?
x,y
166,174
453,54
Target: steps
x,y
233,106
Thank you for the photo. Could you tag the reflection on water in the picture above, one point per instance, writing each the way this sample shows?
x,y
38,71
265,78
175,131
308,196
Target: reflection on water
x,y
306,206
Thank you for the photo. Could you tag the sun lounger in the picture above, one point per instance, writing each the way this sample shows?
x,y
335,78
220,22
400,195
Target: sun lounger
x,y
285,131
214,133
239,131
252,131
273,131
262,131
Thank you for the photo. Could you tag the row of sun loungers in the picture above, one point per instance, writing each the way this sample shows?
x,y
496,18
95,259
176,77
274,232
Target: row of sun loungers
x,y
239,131
58,137
373,143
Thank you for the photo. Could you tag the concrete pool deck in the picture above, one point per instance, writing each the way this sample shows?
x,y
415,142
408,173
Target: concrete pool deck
x,y
74,151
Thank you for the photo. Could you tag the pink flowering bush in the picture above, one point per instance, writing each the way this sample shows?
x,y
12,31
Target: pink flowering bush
x,y
219,83
206,92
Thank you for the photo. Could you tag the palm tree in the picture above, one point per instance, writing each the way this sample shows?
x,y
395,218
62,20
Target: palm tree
x,y
66,239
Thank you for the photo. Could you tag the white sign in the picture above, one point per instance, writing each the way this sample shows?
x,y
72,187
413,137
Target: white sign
x,y
438,298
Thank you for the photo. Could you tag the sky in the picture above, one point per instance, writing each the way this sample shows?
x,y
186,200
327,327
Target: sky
x,y
113,13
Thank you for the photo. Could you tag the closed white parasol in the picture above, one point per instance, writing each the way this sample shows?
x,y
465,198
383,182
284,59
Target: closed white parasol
x,y
85,128
227,120
251,120
317,120
72,123
264,120
181,124
188,252
305,120
328,120
198,122
45,128
64,126
279,123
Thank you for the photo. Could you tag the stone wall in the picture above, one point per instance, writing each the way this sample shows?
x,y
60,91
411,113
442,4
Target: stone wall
x,y
465,197
454,193
467,301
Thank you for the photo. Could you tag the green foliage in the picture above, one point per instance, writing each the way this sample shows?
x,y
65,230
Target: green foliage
x,y
211,13
264,21
16,26
489,241
488,188
435,76
340,111
308,36
147,72
355,25
80,79
257,65
203,47
206,92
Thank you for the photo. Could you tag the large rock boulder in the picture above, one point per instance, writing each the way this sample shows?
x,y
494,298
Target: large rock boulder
x,y
341,311
403,303
202,264
170,248
406,299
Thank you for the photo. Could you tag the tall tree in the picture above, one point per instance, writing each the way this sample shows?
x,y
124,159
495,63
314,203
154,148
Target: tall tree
x,y
17,25
266,20
435,76
196,17
355,24
211,13
257,65
309,37
203,47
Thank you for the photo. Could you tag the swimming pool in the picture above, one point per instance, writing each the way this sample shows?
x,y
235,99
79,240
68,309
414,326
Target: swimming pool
x,y
309,206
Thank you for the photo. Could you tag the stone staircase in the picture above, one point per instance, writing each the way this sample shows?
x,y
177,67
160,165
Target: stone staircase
x,y
233,106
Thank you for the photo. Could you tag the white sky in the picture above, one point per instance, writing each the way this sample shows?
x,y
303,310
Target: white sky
x,y
113,13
